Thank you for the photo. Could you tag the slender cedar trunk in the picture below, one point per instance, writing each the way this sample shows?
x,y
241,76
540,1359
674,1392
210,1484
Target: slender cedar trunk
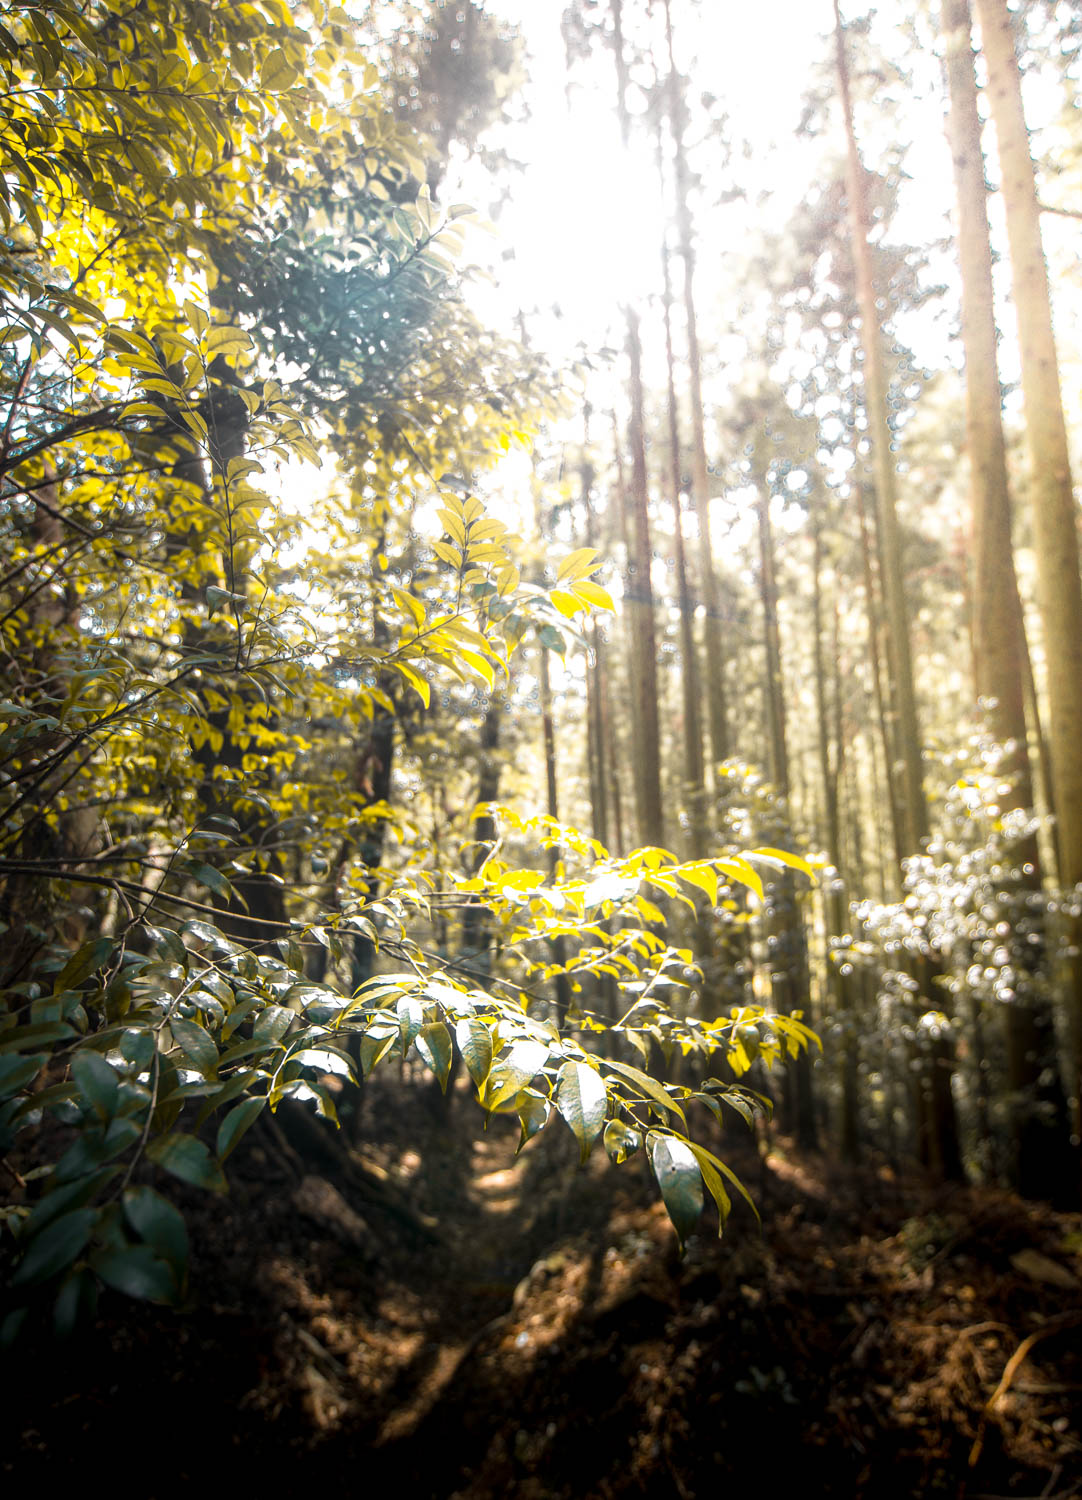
x,y
597,750
997,610
1039,743
611,682
882,714
876,402
1055,537
638,587
937,1120
616,796
717,707
639,601
694,771
1039,1118
839,985
789,965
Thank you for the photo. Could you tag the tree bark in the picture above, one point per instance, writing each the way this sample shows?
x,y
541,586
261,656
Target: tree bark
x,y
717,707
1041,1146
789,961
840,985
639,601
694,769
937,1124
1055,537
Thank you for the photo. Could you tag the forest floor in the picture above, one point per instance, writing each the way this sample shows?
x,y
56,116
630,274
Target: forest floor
x,y
459,1322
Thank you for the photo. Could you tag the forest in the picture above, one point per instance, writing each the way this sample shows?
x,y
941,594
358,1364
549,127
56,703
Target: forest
x,y
541,745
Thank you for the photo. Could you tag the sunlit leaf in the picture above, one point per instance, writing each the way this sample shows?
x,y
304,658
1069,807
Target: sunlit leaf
x,y
680,1180
582,1101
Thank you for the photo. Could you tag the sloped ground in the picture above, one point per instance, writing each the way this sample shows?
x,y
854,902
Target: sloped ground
x,y
489,1327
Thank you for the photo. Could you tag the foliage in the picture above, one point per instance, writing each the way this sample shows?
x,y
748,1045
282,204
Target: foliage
x,y
205,278
971,907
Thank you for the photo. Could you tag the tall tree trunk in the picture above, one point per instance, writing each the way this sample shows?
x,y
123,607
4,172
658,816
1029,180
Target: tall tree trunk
x,y
1040,1129
597,750
876,403
840,985
1055,536
638,586
694,770
717,708
938,1124
789,963
639,602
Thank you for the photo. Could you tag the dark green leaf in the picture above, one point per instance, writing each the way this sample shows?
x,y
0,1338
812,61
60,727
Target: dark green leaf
x,y
16,1072
156,1221
246,1003
273,1023
187,1158
169,943
67,1196
95,1148
137,1272
235,1123
76,1302
213,879
55,1247
57,1097
97,1081
83,963
138,1048
23,1038
238,1084
680,1181
197,1045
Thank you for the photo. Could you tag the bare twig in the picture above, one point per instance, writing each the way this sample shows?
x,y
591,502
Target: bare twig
x,y
1014,1364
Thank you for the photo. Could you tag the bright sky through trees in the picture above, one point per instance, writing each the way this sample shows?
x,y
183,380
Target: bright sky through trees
x,y
580,231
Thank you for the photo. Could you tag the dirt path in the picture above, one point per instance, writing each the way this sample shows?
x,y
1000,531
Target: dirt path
x,y
534,1335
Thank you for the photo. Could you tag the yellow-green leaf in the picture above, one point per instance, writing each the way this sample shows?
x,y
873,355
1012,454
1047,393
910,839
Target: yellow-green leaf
x,y
227,341
594,594
783,857
277,73
567,604
416,681
578,564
